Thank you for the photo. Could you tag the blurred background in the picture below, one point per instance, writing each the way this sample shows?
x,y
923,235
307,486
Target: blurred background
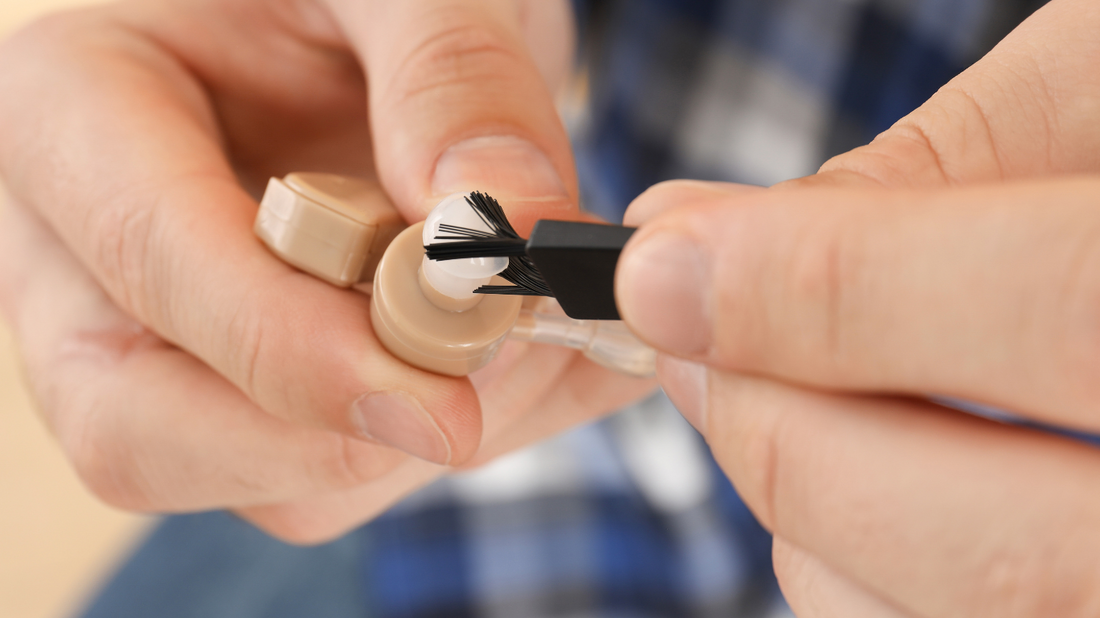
x,y
56,540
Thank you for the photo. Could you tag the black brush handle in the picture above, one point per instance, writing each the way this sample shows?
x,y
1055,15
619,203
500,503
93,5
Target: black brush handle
x,y
578,262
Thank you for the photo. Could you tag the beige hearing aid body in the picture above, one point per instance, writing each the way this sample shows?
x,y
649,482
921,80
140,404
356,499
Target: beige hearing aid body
x,y
415,323
345,231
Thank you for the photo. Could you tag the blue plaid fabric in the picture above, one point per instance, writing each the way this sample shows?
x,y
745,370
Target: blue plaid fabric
x,y
629,517
760,91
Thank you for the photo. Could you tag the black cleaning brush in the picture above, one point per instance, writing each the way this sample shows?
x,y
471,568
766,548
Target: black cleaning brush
x,y
568,260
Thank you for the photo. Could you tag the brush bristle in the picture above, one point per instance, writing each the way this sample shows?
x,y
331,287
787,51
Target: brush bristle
x,y
492,214
522,272
502,241
475,248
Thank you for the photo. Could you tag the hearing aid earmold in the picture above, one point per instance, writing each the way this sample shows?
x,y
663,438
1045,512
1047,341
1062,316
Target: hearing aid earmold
x,y
426,312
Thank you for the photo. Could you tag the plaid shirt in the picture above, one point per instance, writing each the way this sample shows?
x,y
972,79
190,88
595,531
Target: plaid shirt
x,y
631,516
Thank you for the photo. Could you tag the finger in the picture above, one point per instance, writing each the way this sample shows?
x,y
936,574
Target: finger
x,y
814,590
286,87
539,393
688,192
458,102
162,224
323,517
147,426
517,382
1026,109
934,511
982,293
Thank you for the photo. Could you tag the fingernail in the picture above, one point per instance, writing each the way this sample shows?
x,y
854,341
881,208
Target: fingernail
x,y
664,293
685,383
502,164
397,419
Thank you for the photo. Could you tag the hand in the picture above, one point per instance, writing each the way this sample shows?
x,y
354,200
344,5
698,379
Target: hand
x,y
958,255
180,364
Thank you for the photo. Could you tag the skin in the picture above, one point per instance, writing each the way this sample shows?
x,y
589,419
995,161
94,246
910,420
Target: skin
x,y
183,367
958,255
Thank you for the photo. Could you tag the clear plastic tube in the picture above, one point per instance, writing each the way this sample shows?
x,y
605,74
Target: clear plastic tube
x,y
608,343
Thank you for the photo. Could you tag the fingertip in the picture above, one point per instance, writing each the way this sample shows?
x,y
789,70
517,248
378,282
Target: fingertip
x,y
431,417
457,412
663,290
672,194
458,103
516,172
509,164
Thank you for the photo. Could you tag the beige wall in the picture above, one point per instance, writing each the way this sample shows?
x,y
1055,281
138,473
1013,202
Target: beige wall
x,y
56,540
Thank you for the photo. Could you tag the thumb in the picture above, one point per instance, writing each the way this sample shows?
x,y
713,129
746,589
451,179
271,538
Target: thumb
x,y
458,101
986,292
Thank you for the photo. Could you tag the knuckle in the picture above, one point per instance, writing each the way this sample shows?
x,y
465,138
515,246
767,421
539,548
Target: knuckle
x,y
246,356
123,236
104,466
459,51
914,133
826,271
80,408
947,141
350,462
250,348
